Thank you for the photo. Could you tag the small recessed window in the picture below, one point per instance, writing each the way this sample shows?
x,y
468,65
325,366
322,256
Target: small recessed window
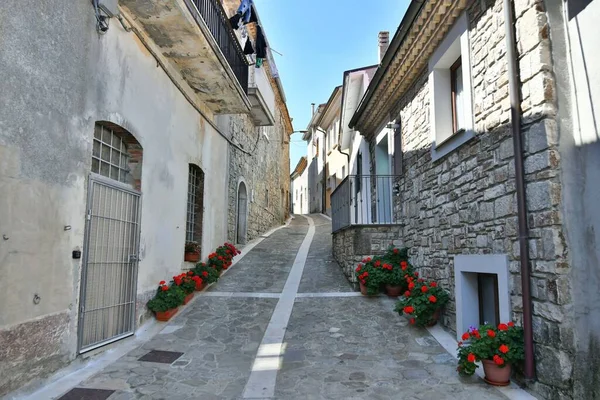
x,y
458,107
489,309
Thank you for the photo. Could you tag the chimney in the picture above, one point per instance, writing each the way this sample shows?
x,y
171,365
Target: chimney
x,y
312,105
384,43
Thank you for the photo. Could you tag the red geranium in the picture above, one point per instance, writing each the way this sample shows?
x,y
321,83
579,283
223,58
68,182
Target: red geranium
x,y
407,293
503,327
164,288
424,289
433,284
432,298
491,333
498,360
503,349
471,358
511,324
412,321
466,336
409,309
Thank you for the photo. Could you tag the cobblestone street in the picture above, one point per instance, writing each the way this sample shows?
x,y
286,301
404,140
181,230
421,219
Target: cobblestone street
x,y
284,323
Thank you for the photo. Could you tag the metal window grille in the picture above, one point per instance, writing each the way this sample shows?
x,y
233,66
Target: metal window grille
x,y
193,201
109,155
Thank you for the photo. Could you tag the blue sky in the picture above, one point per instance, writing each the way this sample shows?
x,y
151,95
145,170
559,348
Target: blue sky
x,y
319,40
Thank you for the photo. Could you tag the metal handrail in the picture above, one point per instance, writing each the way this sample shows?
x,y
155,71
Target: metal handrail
x,y
216,20
364,200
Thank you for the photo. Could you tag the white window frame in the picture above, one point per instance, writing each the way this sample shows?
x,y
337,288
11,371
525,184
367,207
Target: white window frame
x,y
466,268
454,45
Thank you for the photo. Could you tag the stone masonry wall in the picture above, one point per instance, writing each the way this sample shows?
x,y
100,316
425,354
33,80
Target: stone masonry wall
x,y
465,202
352,244
263,171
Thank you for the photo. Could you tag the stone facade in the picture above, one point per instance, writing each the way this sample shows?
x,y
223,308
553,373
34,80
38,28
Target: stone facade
x,y
354,243
465,202
265,173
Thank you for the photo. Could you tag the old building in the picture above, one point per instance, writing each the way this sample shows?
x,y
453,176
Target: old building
x,y
299,184
314,138
124,132
335,163
484,113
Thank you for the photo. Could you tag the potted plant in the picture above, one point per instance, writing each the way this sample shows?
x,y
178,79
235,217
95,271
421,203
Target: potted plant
x,y
165,301
423,301
208,274
223,256
192,252
187,284
498,348
395,268
369,276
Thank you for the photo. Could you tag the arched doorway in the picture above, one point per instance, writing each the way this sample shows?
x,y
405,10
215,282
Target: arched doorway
x,y
111,242
242,213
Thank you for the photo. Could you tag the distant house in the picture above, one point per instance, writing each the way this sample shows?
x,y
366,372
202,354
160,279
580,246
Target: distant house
x,y
299,184
484,159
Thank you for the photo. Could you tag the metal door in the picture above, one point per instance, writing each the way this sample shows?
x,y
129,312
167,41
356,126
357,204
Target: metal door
x,y
110,263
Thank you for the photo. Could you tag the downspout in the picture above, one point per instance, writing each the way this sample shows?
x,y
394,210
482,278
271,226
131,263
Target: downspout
x,y
515,118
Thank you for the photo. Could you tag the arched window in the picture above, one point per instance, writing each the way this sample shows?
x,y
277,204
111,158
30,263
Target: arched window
x,y
116,154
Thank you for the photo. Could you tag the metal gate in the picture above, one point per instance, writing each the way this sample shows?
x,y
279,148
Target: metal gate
x,y
110,263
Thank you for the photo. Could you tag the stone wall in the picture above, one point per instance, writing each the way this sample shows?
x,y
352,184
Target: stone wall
x,y
465,202
265,172
354,243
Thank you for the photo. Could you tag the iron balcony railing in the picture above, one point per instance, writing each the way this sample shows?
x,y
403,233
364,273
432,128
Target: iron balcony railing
x,y
364,200
216,19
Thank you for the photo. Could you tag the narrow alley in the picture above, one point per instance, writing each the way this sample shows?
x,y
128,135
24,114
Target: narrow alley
x,y
283,323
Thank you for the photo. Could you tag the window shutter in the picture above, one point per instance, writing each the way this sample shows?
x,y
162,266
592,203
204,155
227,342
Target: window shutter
x,y
398,151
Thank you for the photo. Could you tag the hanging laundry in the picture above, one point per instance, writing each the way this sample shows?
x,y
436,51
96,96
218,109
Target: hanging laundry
x,y
248,49
259,62
261,43
235,21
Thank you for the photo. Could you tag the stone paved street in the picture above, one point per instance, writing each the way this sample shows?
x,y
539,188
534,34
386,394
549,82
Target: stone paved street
x,y
337,345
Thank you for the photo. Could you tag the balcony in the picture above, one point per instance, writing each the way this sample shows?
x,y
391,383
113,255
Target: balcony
x,y
364,200
196,40
261,97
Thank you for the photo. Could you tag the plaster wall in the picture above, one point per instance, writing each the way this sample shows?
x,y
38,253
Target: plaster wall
x,y
575,41
57,78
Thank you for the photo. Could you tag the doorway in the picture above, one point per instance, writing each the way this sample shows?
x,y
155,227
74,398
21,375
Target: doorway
x,y
383,182
242,214
111,244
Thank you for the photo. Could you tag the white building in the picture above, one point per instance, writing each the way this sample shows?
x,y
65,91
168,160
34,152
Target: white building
x,y
299,187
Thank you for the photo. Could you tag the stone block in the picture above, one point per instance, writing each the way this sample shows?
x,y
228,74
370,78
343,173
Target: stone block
x,y
541,161
549,311
504,206
494,192
554,367
506,149
486,211
538,196
541,135
532,28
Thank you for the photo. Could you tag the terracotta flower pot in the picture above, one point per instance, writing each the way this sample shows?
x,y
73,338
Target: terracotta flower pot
x,y
392,290
434,318
495,375
191,257
166,315
188,298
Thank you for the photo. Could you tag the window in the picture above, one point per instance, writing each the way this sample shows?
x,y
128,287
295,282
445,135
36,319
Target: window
x,y
397,159
450,86
195,204
489,310
358,172
109,155
456,86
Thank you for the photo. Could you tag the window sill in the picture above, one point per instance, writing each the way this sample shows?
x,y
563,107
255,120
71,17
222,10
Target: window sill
x,y
442,149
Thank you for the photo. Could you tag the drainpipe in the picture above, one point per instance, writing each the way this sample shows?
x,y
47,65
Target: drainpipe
x,y
515,118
